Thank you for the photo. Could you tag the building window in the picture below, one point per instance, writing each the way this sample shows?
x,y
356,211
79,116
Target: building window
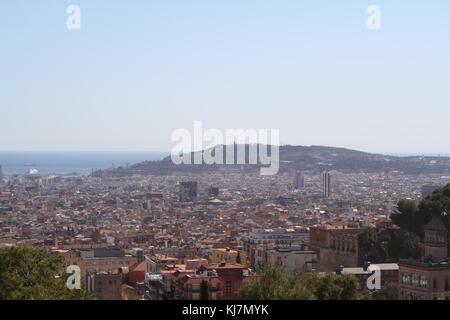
x,y
415,279
434,284
422,282
228,291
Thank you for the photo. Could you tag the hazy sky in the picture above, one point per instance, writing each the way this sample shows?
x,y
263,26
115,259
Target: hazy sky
x,y
137,70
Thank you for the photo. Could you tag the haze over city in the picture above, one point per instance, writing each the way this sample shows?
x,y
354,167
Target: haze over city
x,y
131,75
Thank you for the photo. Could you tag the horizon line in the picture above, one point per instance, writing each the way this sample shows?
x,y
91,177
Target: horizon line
x,y
393,153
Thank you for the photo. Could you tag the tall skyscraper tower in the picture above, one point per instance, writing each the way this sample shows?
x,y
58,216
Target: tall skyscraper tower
x,y
188,191
326,184
299,181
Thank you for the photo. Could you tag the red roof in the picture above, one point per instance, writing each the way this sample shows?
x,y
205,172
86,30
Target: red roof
x,y
140,266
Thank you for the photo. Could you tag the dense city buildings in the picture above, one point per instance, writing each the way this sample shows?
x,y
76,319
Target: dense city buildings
x,y
229,255
165,236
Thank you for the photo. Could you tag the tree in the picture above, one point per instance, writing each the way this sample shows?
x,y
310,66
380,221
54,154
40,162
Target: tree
x,y
392,245
204,290
31,274
406,215
331,286
273,284
403,245
268,285
389,292
370,243
389,245
238,258
412,218
172,293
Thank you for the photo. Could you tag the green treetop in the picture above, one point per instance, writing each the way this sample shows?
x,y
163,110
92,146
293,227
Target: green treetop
x,y
32,274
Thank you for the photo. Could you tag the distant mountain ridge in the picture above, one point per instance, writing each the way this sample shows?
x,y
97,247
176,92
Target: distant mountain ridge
x,y
304,158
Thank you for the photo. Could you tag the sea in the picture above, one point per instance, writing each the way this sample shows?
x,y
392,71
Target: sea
x,y
15,162
74,162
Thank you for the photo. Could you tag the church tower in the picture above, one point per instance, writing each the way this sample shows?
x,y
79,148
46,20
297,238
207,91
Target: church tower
x,y
436,238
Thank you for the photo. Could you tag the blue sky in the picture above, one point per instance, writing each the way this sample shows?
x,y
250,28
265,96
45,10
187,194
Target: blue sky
x,y
137,70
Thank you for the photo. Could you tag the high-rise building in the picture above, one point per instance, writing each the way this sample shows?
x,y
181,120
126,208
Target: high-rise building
x,y
188,191
326,184
299,181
